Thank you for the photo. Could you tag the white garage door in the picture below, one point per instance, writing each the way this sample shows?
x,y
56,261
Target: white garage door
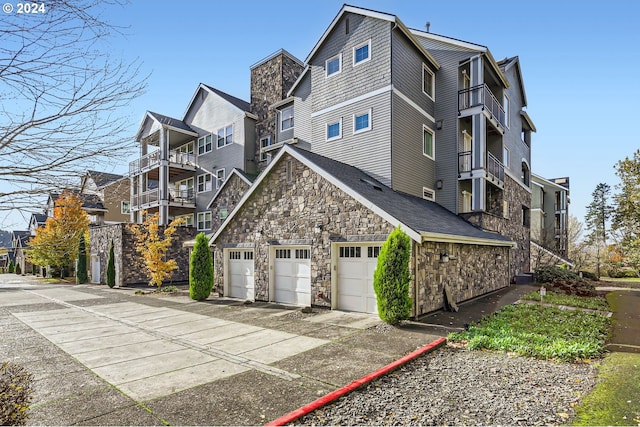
x,y
241,274
293,276
356,265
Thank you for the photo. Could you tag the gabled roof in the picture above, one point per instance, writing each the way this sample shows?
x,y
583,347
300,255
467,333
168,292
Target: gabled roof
x,y
372,14
102,179
273,55
90,202
241,104
237,172
466,45
38,219
508,63
421,219
20,238
165,122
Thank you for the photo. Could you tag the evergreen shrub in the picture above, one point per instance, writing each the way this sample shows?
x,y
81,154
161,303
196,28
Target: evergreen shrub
x,y
200,269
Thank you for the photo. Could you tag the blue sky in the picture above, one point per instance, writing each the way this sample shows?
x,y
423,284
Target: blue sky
x,y
577,59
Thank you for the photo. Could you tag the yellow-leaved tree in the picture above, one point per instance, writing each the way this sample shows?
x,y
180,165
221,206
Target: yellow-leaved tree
x,y
56,244
152,245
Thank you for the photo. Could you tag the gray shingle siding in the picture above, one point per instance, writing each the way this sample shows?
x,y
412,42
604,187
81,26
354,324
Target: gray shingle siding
x,y
518,150
302,112
353,80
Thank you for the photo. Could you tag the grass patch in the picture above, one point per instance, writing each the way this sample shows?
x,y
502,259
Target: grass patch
x,y
540,332
615,400
593,303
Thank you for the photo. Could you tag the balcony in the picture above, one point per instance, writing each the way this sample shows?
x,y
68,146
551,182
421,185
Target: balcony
x,y
178,163
481,96
151,198
494,169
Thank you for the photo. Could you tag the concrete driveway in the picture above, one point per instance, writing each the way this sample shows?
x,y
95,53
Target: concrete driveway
x,y
105,356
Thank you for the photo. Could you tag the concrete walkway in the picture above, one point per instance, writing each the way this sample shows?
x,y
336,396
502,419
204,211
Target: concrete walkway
x,y
626,320
105,356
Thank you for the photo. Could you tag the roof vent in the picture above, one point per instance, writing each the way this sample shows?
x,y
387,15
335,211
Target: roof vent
x,y
427,25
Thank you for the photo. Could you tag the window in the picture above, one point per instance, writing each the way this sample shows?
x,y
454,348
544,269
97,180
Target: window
x,y
204,220
204,144
225,136
303,253
505,105
362,122
125,207
333,65
188,147
361,53
223,213
505,156
286,118
505,209
428,82
289,170
265,142
373,251
283,253
184,190
428,144
350,251
220,177
204,183
428,194
334,130
526,220
188,220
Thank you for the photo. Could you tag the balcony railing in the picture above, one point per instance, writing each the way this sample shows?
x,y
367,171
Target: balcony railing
x,y
495,167
464,161
152,197
481,96
151,160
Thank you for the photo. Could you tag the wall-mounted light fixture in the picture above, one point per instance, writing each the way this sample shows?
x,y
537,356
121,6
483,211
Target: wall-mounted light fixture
x,y
258,234
317,228
444,257
439,184
499,257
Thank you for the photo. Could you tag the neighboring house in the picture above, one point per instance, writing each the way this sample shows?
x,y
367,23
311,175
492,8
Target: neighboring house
x,y
309,230
91,204
19,246
183,162
113,190
37,221
426,115
549,220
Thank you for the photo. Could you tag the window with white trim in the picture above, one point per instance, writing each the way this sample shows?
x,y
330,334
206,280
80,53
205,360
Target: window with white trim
x,y
184,190
223,213
204,183
204,144
362,122
204,220
220,177
188,220
505,105
362,53
334,130
265,142
125,207
428,82
188,147
505,156
286,118
428,143
428,194
225,136
333,65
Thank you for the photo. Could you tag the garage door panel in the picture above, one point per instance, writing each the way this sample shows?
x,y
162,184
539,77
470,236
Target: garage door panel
x,y
241,274
356,265
293,276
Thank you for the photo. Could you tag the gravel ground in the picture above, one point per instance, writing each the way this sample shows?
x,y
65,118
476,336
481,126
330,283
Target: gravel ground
x,y
459,387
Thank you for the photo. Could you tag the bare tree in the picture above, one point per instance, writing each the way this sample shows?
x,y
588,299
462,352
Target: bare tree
x,y
61,98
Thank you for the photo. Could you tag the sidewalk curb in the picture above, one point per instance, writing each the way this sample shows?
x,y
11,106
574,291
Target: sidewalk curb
x,y
328,398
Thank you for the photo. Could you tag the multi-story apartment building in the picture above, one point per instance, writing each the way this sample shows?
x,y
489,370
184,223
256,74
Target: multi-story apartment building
x,y
184,161
549,219
114,192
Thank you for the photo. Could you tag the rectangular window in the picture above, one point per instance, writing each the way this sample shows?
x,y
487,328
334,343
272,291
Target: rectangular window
x,y
125,207
204,144
361,53
188,147
428,194
350,251
223,213
428,143
428,82
235,255
373,251
188,220
333,65
334,130
248,255
265,142
505,105
220,177
289,170
283,253
286,118
204,183
225,136
303,253
204,220
505,156
184,190
362,122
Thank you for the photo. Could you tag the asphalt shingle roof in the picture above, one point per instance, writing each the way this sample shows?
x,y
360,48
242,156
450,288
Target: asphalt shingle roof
x,y
170,121
421,215
89,201
103,178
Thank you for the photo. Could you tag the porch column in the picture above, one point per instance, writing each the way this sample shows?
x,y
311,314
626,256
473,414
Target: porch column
x,y
163,179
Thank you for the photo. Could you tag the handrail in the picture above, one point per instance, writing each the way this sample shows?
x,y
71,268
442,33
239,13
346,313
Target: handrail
x,y
481,95
151,160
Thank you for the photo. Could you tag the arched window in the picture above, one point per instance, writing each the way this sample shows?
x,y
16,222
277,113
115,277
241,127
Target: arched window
x,y
525,174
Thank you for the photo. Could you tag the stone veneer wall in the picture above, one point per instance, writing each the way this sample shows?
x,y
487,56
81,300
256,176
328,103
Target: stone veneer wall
x,y
472,270
511,227
132,271
228,198
270,83
286,213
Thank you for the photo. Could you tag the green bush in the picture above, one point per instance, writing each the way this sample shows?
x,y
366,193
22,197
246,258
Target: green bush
x,y
81,271
392,277
200,269
111,267
15,394
589,275
12,267
552,273
622,272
